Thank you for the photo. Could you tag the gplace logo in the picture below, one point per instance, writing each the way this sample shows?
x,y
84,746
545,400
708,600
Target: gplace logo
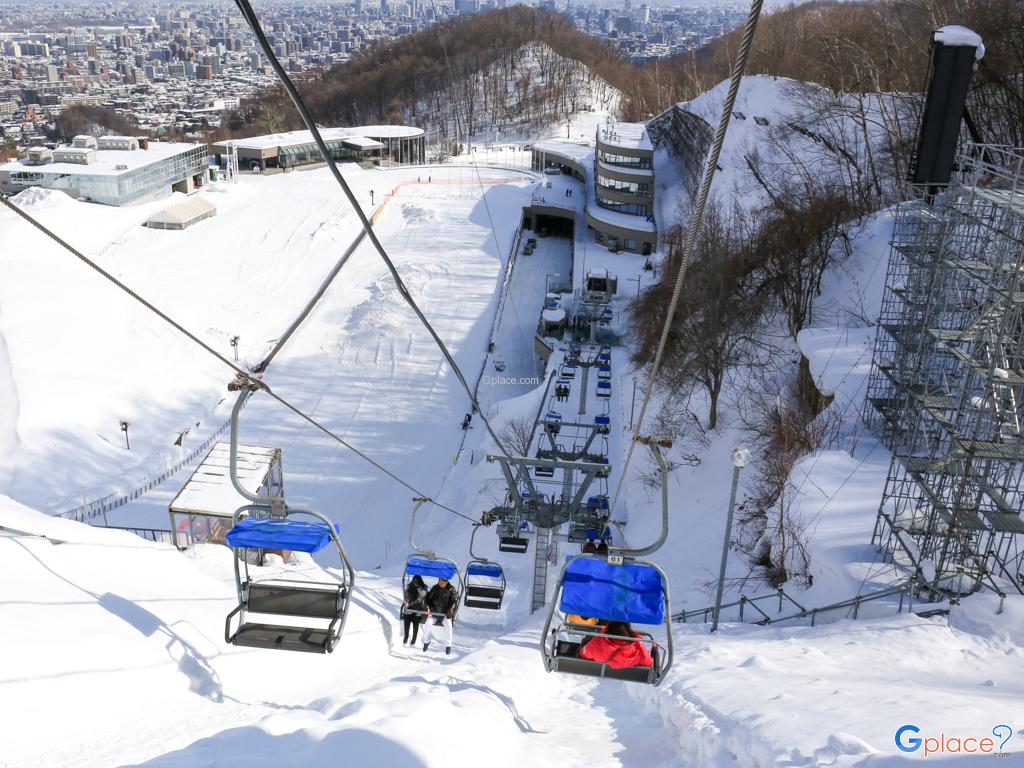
x,y
908,740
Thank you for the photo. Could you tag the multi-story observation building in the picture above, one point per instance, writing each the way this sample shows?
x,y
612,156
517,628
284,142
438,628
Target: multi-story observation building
x,y
618,170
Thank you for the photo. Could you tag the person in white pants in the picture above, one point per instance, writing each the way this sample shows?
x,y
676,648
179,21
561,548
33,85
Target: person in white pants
x,y
438,626
442,600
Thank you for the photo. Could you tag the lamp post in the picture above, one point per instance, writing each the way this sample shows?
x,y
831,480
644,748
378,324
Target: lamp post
x,y
124,428
740,459
371,198
234,346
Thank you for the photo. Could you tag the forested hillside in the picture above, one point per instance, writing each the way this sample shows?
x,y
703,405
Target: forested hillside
x,y
879,46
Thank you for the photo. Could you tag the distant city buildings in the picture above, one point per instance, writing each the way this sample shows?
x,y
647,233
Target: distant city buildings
x,y
183,65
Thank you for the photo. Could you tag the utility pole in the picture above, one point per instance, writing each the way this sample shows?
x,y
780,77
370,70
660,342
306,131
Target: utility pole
x,y
371,198
234,346
124,428
632,407
740,459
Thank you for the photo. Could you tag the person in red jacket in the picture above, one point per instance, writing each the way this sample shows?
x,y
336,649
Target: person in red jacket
x,y
617,653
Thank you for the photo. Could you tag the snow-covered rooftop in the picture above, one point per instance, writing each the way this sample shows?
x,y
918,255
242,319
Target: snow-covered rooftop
x,y
109,162
209,491
625,135
300,138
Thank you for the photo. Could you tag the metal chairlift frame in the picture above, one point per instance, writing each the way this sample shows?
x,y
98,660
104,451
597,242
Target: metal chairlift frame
x,y
429,554
283,597
560,655
484,596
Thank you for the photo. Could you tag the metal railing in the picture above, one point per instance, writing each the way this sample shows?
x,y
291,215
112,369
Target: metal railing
x,y
179,539
904,591
112,501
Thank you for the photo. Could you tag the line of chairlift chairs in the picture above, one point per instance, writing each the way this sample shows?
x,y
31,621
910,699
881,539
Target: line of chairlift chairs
x,y
309,616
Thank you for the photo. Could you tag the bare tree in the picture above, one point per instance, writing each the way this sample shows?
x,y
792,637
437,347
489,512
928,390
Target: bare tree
x,y
516,434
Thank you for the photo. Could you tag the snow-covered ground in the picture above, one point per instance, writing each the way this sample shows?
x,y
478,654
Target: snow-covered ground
x,y
112,651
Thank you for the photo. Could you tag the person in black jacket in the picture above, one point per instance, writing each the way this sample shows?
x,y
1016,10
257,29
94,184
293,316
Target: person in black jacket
x,y
442,600
415,600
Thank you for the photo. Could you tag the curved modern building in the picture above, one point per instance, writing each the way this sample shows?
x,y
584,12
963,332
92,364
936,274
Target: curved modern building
x,y
396,143
618,171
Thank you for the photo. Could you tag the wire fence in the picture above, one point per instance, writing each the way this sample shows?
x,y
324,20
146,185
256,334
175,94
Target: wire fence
x,y
112,501
778,607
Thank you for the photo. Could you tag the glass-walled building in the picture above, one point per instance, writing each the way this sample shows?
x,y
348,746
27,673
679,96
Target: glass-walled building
x,y
112,177
401,144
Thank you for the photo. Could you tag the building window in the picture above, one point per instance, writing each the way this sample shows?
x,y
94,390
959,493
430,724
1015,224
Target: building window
x,y
624,160
634,209
623,187
630,245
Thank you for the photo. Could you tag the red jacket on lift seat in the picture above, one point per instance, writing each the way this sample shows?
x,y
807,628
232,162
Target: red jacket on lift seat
x,y
617,654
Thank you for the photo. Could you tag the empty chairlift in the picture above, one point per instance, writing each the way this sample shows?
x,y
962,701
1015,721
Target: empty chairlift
x,y
484,580
604,389
604,372
567,370
283,613
286,614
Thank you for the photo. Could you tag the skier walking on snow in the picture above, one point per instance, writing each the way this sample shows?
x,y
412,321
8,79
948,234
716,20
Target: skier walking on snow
x,y
441,602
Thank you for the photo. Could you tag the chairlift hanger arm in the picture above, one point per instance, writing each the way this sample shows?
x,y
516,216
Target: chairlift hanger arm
x,y
655,446
431,554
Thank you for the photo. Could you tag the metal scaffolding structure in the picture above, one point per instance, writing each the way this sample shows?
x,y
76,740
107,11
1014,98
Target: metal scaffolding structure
x,y
946,390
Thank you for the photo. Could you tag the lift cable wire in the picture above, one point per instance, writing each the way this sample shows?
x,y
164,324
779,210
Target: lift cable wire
x,y
261,38
245,375
696,222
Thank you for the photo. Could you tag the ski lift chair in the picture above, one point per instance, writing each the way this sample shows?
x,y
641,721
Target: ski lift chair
x,y
433,568
567,371
544,471
484,580
553,422
485,585
604,389
299,615
632,591
293,615
604,372
509,539
604,424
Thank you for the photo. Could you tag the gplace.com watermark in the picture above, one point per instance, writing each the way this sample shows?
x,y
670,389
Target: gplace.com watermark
x,y
908,739
498,380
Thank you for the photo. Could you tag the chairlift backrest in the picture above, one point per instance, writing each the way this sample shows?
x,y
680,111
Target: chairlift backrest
x,y
432,569
282,534
289,600
633,592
